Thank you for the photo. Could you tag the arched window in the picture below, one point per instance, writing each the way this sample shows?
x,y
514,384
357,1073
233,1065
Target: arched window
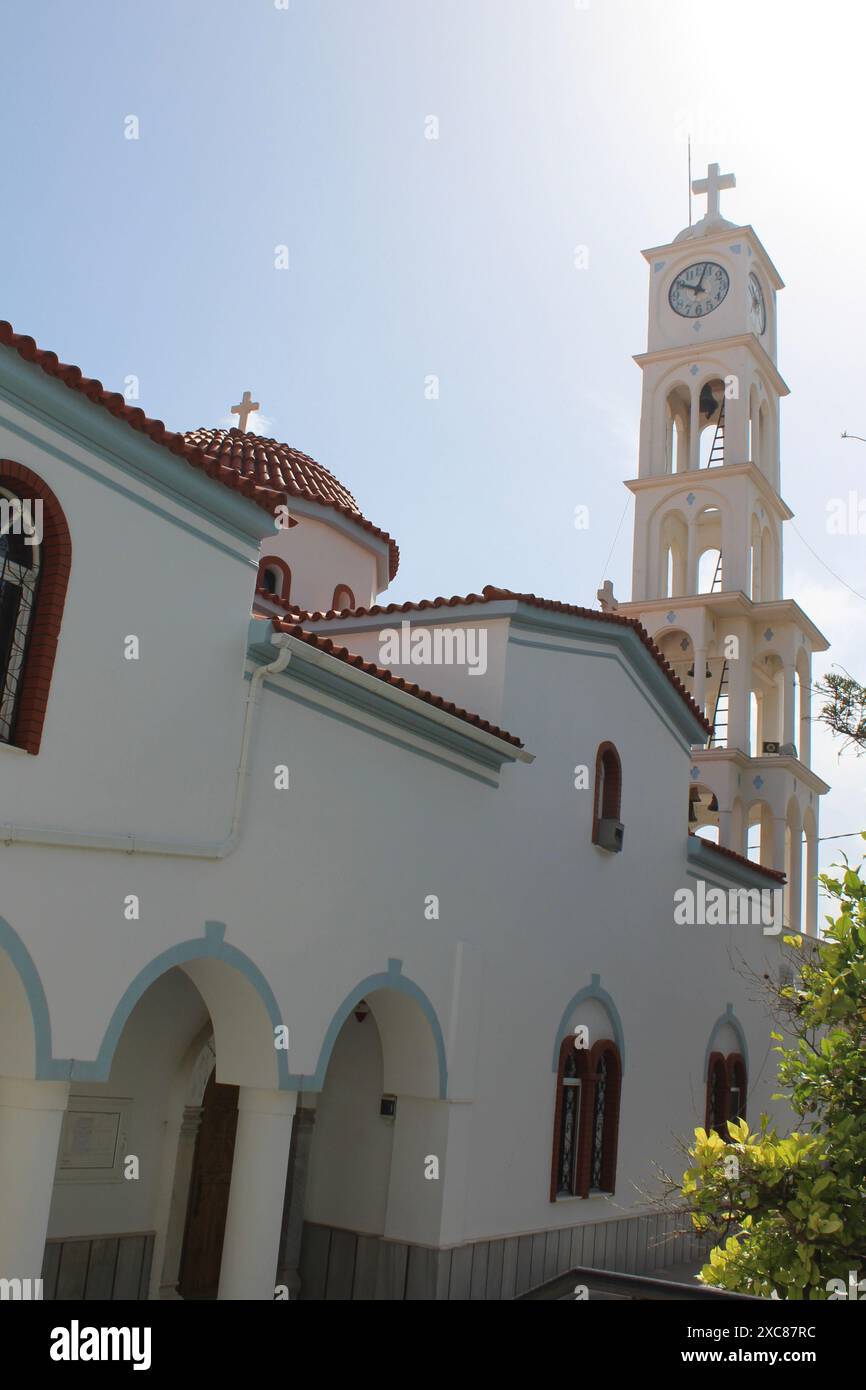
x,y
343,598
586,1121
35,557
608,796
736,1087
275,577
726,1092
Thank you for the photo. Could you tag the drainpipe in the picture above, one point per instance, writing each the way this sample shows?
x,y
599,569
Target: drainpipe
x,y
132,844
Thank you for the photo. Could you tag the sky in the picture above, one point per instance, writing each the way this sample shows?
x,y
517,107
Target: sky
x,y
305,124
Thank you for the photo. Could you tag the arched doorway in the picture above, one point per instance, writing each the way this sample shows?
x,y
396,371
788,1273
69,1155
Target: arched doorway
x,y
208,1199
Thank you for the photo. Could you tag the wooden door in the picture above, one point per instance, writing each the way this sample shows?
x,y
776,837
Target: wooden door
x,y
208,1201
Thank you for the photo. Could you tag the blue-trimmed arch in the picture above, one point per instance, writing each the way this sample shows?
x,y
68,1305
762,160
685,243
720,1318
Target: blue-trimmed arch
x,y
46,1068
212,946
393,979
727,1017
593,990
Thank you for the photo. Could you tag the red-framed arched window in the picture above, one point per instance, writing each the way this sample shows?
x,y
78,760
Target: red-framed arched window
x,y
608,787
35,559
343,598
726,1092
275,577
736,1069
586,1121
717,1094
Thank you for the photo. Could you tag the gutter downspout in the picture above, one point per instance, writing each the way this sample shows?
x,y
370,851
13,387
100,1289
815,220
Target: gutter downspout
x,y
132,844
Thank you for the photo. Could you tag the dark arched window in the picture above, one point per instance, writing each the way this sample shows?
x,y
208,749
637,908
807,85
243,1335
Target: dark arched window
x,y
726,1092
736,1087
607,798
586,1122
275,578
343,598
35,558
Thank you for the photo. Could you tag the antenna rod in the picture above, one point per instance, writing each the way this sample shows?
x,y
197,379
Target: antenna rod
x,y
690,180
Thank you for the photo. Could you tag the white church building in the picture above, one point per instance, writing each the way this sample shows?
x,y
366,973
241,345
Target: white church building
x,y
342,944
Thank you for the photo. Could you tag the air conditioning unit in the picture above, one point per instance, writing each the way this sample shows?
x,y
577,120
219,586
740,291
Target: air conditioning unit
x,y
770,747
609,835
788,750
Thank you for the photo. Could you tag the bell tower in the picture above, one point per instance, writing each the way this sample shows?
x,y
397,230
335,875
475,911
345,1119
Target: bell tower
x,y
708,532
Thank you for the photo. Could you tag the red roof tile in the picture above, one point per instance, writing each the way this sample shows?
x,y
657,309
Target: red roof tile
x,y
740,858
265,497
324,644
262,469
269,463
490,594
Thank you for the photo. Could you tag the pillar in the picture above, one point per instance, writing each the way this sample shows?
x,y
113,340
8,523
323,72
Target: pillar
x,y
789,704
739,686
694,435
811,886
293,1205
795,875
179,1198
261,1159
699,684
31,1116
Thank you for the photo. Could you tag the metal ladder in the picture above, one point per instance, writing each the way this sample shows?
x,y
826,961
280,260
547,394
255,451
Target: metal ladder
x,y
719,736
717,453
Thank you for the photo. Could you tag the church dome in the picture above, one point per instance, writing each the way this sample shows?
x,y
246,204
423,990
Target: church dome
x,y
271,464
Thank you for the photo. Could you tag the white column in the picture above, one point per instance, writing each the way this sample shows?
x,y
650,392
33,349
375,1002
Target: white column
x,y
261,1159
695,431
789,734
811,886
31,1116
176,1221
699,683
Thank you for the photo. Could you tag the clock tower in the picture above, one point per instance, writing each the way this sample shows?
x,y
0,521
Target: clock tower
x,y
707,567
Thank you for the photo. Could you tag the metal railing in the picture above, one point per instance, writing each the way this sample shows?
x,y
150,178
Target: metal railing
x,y
627,1286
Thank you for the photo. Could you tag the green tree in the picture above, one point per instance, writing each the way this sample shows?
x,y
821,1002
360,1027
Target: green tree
x,y
844,712
788,1212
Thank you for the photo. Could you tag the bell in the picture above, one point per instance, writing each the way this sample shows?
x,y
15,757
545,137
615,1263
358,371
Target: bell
x,y
693,815
714,803
708,404
691,670
694,794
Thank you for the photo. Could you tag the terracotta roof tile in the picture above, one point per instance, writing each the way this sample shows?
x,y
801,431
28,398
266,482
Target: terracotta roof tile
x,y
324,644
490,594
262,469
740,858
269,463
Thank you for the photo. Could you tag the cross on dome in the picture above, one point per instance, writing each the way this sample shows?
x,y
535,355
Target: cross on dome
x,y
248,407
714,184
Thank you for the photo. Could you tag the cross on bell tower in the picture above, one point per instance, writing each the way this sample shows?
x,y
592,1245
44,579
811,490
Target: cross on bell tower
x,y
714,184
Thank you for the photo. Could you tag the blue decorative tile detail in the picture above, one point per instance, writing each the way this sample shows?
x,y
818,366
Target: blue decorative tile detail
x,y
671,617
685,644
695,773
659,265
736,249
697,328
690,499
769,635
694,369
758,782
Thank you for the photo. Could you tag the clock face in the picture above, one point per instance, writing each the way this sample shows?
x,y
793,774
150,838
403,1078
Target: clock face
x,y
699,289
757,306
